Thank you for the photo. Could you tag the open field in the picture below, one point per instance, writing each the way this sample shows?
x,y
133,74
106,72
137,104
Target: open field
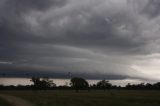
x,y
93,98
3,102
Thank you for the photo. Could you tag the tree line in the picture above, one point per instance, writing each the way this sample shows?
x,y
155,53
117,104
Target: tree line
x,y
77,84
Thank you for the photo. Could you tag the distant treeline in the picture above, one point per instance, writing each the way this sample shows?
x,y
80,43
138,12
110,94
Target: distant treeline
x,y
78,84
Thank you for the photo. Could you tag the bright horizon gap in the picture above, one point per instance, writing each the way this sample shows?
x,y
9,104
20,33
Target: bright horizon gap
x,y
58,82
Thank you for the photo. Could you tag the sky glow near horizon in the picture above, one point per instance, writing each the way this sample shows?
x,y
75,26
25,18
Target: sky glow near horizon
x,y
62,82
93,39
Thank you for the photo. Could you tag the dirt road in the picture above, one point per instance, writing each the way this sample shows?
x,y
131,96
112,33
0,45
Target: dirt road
x,y
15,101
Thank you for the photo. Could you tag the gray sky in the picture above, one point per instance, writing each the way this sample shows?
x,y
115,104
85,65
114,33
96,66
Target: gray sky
x,y
94,39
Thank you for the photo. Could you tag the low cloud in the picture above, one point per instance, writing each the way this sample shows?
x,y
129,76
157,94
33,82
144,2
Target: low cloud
x,y
90,38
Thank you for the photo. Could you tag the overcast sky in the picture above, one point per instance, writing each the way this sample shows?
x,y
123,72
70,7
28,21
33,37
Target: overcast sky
x,y
94,39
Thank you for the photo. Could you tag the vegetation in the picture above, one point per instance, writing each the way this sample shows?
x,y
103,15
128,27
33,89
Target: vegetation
x,y
79,83
104,84
42,83
4,103
44,92
143,86
92,98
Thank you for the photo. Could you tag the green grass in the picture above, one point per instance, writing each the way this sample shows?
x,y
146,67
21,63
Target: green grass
x,y
93,98
4,103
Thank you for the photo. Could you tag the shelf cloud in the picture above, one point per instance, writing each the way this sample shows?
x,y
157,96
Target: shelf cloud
x,y
95,39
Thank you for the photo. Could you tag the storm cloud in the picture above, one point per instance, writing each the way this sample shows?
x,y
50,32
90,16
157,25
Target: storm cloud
x,y
95,39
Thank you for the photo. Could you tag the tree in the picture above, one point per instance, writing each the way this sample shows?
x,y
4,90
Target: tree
x,y
42,83
156,85
128,86
79,83
104,84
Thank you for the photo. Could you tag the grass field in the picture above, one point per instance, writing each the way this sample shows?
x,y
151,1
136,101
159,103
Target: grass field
x,y
3,102
93,98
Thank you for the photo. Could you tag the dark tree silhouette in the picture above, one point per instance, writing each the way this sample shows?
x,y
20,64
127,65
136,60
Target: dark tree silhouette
x,y
128,86
42,83
104,85
79,83
157,85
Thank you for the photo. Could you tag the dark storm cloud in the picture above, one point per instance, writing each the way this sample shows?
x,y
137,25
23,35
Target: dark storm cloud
x,y
20,6
12,15
152,8
12,26
89,38
99,27
28,71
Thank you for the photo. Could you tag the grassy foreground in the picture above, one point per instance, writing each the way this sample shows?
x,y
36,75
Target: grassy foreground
x,y
93,98
3,103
